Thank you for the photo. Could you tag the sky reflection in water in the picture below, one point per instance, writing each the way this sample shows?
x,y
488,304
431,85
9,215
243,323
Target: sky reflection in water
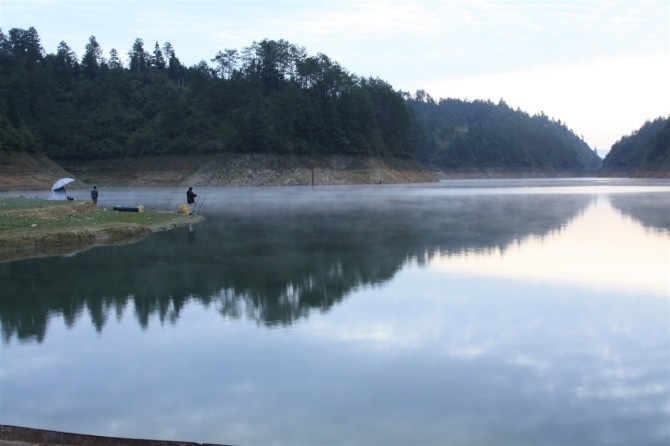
x,y
545,333
594,250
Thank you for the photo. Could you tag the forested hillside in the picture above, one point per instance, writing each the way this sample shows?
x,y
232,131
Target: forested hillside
x,y
268,97
482,135
644,152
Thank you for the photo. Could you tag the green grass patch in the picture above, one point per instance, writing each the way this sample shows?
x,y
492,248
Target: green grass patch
x,y
10,203
70,217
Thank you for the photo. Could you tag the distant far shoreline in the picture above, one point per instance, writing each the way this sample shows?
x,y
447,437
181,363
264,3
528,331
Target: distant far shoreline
x,y
30,171
23,171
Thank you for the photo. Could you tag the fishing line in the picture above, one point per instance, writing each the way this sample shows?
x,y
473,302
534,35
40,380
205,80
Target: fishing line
x,y
201,203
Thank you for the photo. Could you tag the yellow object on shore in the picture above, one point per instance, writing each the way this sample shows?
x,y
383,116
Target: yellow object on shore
x,y
140,208
183,209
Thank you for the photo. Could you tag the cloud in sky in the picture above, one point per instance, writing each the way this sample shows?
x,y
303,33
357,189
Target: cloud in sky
x,y
598,65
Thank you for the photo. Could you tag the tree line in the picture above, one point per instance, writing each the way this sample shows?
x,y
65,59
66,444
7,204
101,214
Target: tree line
x,y
480,134
645,150
269,97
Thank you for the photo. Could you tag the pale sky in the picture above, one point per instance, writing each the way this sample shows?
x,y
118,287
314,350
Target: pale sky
x,y
600,66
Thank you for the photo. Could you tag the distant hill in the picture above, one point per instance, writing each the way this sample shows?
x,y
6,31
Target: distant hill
x,y
481,135
643,153
269,98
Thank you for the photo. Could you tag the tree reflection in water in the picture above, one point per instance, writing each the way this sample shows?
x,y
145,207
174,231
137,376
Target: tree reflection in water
x,y
268,261
650,210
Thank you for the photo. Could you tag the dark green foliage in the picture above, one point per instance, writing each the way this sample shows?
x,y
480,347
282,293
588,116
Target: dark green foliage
x,y
659,149
13,138
483,135
270,97
648,147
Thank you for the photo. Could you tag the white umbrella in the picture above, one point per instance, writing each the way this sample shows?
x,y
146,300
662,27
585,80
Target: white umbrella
x,y
61,183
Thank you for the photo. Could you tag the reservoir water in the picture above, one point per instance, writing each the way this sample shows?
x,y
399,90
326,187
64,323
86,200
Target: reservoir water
x,y
466,312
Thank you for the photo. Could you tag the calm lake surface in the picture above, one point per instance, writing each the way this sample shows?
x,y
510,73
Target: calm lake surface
x,y
499,312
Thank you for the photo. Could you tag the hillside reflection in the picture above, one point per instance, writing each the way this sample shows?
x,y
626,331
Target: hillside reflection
x,y
593,251
651,210
269,261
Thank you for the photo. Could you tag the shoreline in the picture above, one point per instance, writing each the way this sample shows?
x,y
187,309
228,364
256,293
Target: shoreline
x,y
23,171
33,238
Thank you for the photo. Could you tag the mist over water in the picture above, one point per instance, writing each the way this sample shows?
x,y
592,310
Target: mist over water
x,y
465,312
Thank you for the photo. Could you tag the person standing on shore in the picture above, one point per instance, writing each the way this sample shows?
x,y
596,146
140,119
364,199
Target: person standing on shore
x,y
94,195
190,200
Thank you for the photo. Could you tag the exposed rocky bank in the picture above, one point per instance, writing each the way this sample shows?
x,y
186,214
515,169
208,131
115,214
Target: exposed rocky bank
x,y
21,171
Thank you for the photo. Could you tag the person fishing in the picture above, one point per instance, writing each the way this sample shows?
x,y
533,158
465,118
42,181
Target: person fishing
x,y
190,200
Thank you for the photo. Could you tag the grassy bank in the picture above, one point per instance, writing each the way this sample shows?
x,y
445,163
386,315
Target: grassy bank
x,y
35,215
36,228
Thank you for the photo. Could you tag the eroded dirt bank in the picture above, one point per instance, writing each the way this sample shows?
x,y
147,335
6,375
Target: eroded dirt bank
x,y
21,171
48,244
250,170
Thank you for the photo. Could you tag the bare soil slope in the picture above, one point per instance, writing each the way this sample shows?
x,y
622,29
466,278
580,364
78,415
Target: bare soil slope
x,y
22,171
249,170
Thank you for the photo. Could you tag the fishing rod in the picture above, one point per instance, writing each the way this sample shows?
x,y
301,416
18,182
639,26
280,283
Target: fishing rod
x,y
201,203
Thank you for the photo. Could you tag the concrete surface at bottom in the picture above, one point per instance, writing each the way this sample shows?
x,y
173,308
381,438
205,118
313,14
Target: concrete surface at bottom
x,y
26,436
